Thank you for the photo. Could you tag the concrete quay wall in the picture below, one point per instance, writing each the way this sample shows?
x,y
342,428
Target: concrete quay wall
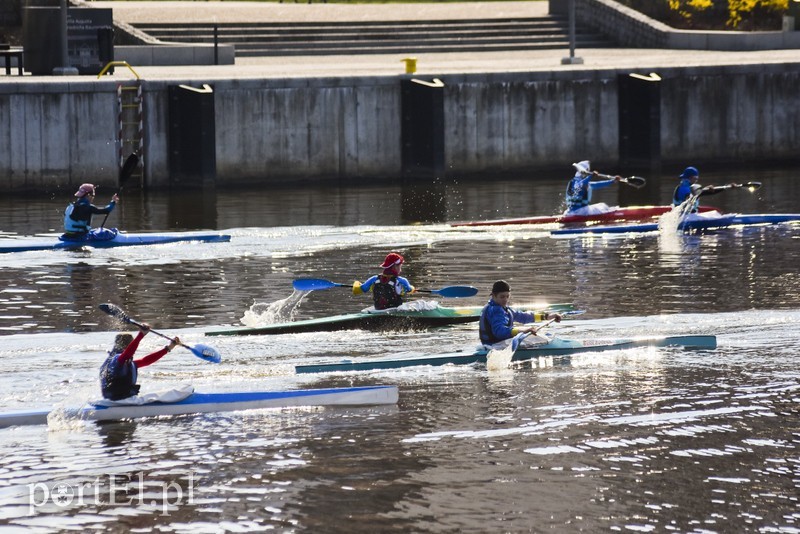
x,y
56,134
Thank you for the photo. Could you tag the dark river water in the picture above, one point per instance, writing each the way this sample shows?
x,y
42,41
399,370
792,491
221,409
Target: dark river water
x,y
637,440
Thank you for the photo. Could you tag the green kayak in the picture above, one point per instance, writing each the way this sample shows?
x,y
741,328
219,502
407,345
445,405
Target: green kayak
x,y
392,319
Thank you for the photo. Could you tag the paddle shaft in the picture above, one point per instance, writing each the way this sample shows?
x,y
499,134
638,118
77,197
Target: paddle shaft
x,y
127,169
634,181
140,325
314,284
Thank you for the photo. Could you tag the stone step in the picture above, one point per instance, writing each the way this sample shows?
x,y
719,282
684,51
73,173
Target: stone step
x,y
254,51
324,38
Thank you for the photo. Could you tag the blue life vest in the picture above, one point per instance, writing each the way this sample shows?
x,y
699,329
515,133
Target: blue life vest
x,y
578,194
118,380
71,225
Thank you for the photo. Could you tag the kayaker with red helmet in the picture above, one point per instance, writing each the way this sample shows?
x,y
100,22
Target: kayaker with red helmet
x,y
497,318
580,187
78,215
118,373
388,287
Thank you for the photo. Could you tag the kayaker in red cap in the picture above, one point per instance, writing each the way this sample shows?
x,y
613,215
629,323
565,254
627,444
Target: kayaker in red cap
x,y
118,373
388,287
78,215
497,318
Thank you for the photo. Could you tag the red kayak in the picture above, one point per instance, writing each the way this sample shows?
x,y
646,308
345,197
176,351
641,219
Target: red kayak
x,y
631,213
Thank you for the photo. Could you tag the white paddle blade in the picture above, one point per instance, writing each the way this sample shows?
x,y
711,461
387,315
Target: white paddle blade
x,y
499,359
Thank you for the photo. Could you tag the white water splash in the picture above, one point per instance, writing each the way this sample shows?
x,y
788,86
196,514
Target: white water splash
x,y
280,311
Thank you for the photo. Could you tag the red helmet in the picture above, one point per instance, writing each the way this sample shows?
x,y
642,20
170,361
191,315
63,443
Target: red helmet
x,y
391,260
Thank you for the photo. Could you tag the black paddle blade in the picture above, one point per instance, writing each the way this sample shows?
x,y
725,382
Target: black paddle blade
x,y
635,181
115,311
127,168
752,186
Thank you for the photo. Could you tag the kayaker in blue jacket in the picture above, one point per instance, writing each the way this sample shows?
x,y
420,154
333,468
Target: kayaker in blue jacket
x,y
78,215
579,189
388,287
118,373
688,187
497,318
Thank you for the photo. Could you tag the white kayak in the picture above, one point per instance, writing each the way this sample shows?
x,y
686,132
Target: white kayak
x,y
195,403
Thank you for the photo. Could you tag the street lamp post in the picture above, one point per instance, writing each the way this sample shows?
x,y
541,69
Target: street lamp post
x,y
65,69
572,60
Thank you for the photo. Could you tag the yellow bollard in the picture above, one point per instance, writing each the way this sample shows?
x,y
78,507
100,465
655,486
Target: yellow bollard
x,y
411,64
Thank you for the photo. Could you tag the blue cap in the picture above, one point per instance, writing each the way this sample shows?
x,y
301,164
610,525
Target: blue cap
x,y
689,172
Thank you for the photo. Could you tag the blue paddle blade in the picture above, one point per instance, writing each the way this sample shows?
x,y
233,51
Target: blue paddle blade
x,y
205,352
456,291
314,284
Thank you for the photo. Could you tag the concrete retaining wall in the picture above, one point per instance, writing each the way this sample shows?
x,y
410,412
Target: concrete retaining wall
x,y
55,134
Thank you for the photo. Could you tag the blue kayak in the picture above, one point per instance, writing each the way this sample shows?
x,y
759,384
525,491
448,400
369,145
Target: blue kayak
x,y
108,238
709,223
555,347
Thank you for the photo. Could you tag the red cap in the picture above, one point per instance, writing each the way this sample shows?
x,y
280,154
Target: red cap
x,y
391,260
84,189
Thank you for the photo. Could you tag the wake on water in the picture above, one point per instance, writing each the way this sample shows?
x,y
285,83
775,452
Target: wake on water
x,y
280,311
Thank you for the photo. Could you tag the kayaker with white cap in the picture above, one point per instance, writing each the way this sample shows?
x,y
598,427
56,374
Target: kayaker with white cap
x,y
580,187
498,318
78,215
388,287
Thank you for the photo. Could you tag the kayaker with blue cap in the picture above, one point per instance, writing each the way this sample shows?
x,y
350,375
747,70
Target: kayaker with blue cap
x,y
388,287
580,187
78,215
498,318
688,187
118,373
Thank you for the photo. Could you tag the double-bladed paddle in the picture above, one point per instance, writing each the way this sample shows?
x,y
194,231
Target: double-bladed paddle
x,y
127,170
204,352
316,284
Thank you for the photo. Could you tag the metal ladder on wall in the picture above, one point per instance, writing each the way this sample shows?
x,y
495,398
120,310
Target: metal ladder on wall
x,y
130,102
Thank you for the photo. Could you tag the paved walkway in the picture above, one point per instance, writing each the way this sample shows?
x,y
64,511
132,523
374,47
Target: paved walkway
x,y
639,60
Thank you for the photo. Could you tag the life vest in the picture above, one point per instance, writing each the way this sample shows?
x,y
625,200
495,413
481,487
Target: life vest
x,y
578,192
118,380
74,226
487,335
385,292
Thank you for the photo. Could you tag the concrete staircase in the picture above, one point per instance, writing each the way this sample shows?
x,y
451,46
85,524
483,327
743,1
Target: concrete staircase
x,y
403,37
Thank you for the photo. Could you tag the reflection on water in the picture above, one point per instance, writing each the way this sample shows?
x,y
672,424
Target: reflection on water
x,y
631,440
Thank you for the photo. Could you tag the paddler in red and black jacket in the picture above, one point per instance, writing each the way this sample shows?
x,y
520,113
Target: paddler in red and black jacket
x,y
118,373
388,287
497,318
